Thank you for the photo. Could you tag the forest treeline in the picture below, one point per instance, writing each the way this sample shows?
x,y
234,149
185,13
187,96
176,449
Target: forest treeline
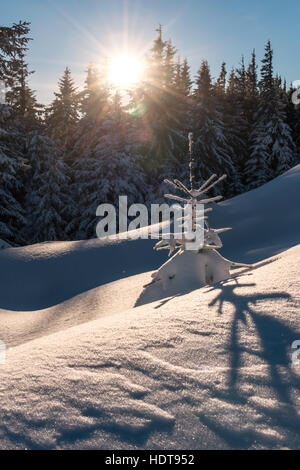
x,y
59,162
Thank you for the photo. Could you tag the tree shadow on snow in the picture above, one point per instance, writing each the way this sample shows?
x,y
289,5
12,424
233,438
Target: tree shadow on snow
x,y
272,356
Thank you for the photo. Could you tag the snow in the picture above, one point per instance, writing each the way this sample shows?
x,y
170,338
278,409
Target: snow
x,y
185,271
264,221
43,275
208,367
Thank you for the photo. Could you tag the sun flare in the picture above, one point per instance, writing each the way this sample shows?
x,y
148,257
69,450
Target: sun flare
x,y
125,71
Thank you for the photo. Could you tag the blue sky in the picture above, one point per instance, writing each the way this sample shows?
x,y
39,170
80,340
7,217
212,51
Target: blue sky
x,y
77,32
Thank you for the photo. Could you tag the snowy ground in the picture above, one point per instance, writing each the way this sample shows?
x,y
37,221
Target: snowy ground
x,y
265,221
211,368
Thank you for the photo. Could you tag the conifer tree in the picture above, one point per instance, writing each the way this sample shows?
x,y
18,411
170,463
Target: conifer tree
x,y
293,112
240,127
12,220
182,90
95,96
14,73
95,104
110,169
220,85
271,144
211,144
160,110
186,78
62,115
13,46
48,203
22,100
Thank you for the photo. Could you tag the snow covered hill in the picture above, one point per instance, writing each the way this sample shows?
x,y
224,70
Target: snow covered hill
x,y
211,368
43,275
265,221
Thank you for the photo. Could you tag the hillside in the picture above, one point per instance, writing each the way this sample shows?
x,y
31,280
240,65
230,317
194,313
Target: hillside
x,y
208,369
44,275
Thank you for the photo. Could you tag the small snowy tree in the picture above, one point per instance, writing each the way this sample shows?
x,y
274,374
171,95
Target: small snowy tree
x,y
199,266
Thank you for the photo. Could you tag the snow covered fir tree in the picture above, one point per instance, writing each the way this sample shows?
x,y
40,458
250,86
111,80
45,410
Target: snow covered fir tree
x,y
192,266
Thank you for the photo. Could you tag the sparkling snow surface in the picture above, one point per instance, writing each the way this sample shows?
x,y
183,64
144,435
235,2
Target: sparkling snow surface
x,y
206,368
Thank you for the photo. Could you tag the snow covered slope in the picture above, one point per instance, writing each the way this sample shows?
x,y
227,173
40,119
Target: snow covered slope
x,y
264,221
209,369
18,327
43,275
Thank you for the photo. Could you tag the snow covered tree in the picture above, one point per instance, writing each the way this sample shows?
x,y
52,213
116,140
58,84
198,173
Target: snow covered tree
x,y
191,267
256,168
159,115
271,143
63,113
12,220
108,169
296,128
13,46
14,73
220,85
95,103
182,93
212,147
240,126
95,96
48,203
26,109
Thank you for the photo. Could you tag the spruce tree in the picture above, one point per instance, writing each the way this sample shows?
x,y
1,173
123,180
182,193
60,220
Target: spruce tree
x,y
182,92
63,113
220,85
13,46
22,100
95,103
111,168
158,110
95,96
293,111
240,127
271,144
212,148
48,203
12,219
229,103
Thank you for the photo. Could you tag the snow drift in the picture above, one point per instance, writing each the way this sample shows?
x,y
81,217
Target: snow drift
x,y
264,221
209,369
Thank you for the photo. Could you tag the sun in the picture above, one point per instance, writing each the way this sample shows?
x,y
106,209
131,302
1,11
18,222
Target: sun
x,y
125,71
